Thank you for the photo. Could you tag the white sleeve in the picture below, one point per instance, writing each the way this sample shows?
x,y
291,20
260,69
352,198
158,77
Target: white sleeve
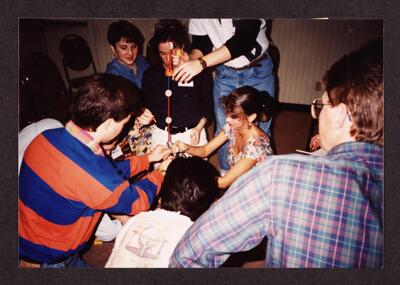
x,y
196,27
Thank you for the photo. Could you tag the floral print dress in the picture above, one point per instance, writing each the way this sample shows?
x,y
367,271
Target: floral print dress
x,y
257,148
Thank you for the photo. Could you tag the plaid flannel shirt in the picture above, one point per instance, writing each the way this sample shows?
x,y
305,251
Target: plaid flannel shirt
x,y
314,211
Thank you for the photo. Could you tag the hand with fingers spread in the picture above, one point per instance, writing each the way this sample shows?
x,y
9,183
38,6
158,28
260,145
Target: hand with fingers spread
x,y
186,71
158,153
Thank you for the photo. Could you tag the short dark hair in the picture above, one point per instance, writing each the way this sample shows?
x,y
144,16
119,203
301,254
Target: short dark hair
x,y
356,80
124,29
250,100
104,96
171,30
190,186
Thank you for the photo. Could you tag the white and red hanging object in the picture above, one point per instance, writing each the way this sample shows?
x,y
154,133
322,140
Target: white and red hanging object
x,y
168,72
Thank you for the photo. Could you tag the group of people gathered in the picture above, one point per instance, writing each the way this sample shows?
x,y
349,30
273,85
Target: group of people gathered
x,y
169,206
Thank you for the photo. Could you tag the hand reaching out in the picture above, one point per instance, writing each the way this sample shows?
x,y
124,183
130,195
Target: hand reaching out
x,y
186,71
146,118
179,147
158,153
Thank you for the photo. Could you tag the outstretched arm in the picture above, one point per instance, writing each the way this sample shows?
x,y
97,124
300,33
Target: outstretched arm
x,y
242,42
200,151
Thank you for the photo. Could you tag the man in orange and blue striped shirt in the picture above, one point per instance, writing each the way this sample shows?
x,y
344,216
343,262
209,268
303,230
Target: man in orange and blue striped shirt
x,y
66,182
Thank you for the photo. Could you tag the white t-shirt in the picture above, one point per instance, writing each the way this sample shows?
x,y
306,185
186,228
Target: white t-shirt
x,y
27,134
221,30
148,239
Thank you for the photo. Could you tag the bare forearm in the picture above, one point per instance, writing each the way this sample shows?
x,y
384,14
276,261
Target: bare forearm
x,y
218,56
199,151
201,124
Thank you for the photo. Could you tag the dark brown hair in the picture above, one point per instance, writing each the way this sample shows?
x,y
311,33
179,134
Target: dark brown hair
x,y
171,30
124,29
190,187
250,100
104,96
356,80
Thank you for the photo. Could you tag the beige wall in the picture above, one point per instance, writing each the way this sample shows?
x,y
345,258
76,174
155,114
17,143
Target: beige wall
x,y
307,47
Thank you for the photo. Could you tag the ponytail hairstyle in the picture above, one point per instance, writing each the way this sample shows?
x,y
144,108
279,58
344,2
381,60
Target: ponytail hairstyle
x,y
250,101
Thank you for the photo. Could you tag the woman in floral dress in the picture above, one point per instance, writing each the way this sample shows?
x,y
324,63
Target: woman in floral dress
x,y
248,145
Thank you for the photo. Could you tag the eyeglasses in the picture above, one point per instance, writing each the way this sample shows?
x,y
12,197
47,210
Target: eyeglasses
x,y
316,107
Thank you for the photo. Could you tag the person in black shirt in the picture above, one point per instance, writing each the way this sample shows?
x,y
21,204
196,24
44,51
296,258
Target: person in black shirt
x,y
191,103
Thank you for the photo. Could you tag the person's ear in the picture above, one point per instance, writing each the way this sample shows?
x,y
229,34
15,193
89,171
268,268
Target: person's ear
x,y
105,125
113,51
341,115
252,117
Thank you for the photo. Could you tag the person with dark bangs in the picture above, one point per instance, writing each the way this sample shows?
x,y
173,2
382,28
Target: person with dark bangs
x,y
191,104
126,42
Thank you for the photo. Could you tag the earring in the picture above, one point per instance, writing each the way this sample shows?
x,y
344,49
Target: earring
x,y
249,125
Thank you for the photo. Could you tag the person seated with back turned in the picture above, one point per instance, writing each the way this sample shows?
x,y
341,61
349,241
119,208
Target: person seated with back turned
x,y
66,182
148,239
316,211
248,145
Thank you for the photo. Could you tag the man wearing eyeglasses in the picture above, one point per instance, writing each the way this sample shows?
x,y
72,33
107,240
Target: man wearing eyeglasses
x,y
323,212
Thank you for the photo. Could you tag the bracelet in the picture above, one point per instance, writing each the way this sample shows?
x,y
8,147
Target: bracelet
x,y
202,62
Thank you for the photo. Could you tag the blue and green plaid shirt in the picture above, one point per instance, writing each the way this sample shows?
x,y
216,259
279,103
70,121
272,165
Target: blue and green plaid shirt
x,y
315,211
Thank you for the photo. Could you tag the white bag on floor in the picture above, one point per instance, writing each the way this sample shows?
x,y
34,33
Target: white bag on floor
x,y
108,229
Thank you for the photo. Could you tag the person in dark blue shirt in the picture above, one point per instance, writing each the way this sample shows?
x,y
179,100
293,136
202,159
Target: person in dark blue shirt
x,y
126,42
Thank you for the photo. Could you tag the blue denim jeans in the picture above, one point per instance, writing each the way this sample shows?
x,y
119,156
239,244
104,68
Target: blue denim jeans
x,y
74,261
228,79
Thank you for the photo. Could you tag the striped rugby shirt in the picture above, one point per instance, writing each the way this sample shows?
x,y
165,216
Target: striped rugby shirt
x,y
315,212
63,188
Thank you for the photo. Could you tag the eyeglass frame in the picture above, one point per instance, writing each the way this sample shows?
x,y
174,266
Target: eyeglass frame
x,y
314,113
